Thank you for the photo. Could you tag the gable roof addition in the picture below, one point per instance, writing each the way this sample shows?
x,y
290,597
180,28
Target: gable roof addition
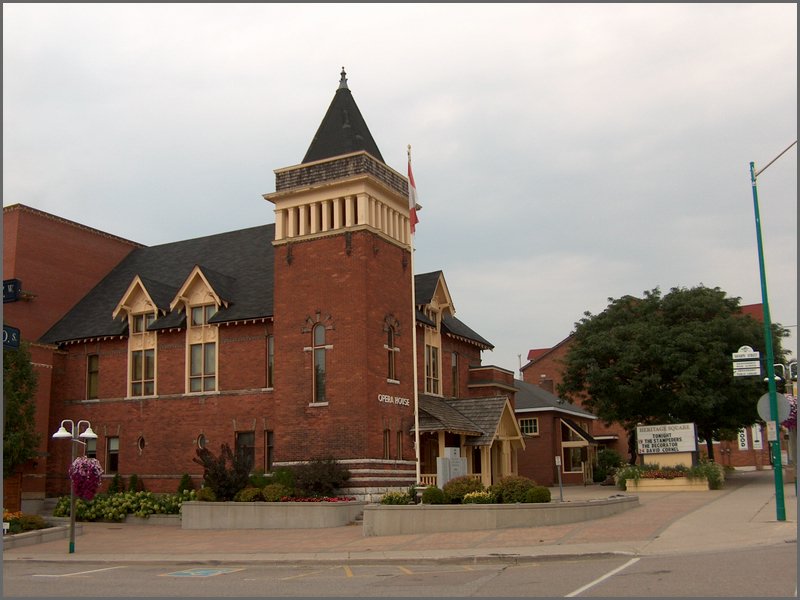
x,y
343,129
479,419
532,398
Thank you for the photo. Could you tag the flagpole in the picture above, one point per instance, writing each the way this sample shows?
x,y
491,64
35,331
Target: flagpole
x,y
414,331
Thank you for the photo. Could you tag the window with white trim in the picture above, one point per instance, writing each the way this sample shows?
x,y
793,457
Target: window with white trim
x,y
203,367
391,352
318,352
529,426
431,369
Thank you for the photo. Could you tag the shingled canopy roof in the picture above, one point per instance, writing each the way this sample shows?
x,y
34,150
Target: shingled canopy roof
x,y
343,129
476,418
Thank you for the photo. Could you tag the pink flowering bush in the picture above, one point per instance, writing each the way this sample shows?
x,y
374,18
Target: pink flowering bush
x,y
791,422
85,474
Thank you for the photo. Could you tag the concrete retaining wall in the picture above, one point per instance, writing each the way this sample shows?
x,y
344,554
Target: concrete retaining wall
x,y
268,515
38,536
155,519
430,518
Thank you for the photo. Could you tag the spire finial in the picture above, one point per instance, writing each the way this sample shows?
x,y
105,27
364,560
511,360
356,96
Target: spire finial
x,y
343,81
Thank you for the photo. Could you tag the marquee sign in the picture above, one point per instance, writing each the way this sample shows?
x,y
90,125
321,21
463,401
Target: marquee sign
x,y
663,439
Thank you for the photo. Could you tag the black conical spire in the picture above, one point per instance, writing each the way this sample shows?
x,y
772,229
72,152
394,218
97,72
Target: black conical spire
x,y
343,129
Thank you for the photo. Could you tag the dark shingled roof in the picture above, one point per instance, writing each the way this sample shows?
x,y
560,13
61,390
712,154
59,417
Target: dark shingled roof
x,y
452,325
477,418
531,396
485,413
238,264
343,129
425,287
436,414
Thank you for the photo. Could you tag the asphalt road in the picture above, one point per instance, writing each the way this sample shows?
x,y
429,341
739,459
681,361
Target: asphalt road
x,y
767,572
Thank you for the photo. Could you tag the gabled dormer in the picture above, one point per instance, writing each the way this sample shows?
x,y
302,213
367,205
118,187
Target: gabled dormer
x,y
139,306
203,293
202,288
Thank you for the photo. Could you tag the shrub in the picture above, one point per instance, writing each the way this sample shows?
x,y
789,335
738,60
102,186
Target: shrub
x,y
115,507
483,497
225,474
455,489
135,484
320,477
117,484
249,494
283,476
710,471
432,495
537,494
512,489
396,498
206,494
186,483
258,479
274,492
412,493
21,522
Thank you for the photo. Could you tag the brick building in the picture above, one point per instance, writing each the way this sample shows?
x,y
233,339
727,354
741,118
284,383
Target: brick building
x,y
750,451
289,341
55,262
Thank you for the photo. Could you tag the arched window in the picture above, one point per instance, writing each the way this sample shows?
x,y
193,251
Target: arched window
x,y
391,350
318,350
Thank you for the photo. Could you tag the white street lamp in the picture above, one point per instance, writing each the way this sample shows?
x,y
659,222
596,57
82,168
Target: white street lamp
x,y
74,433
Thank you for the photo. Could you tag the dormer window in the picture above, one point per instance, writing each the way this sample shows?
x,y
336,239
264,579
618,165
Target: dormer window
x,y
200,315
140,323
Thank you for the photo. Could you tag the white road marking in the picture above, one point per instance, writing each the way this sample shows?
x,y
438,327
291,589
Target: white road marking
x,y
603,578
81,572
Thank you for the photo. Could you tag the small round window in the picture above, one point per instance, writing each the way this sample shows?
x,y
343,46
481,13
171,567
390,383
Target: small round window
x,y
201,441
140,443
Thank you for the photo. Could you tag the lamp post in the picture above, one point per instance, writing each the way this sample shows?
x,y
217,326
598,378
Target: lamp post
x,y
775,445
74,433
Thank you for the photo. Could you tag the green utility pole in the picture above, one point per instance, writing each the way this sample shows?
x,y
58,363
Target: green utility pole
x,y
775,445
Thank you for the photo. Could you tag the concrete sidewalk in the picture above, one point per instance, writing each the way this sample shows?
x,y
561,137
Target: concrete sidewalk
x,y
741,515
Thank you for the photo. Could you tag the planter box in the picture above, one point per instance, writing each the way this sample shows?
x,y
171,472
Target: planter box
x,y
269,515
432,518
38,536
679,484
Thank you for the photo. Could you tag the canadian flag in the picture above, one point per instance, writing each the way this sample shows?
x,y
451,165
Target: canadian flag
x,y
413,205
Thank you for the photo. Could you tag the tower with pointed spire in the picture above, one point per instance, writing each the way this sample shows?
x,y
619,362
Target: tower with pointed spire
x,y
343,328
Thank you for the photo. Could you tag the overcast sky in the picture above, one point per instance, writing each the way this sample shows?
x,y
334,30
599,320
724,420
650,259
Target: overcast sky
x,y
563,154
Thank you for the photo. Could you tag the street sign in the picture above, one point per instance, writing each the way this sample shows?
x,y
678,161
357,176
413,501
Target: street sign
x,y
772,431
745,353
745,372
10,337
11,290
784,407
747,364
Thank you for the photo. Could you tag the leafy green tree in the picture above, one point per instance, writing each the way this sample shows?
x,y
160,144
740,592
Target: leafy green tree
x,y
657,360
20,440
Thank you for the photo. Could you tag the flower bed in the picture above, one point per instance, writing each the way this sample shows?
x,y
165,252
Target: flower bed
x,y
652,478
305,513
